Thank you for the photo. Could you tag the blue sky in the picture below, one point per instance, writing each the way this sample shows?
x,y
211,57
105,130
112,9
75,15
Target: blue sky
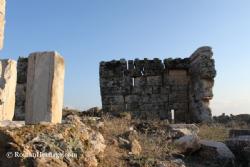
x,y
86,32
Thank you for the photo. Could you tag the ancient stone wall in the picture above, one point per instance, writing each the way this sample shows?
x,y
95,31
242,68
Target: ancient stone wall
x,y
154,88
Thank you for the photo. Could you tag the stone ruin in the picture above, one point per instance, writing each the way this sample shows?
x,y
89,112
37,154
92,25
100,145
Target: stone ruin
x,y
32,89
179,88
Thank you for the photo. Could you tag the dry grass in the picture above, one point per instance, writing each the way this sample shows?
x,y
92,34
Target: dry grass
x,y
154,147
216,132
114,155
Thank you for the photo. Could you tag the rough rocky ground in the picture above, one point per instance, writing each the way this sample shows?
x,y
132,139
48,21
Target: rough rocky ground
x,y
97,139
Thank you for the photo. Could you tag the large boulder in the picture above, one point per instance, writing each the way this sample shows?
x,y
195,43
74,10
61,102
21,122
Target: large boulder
x,y
240,147
216,151
188,144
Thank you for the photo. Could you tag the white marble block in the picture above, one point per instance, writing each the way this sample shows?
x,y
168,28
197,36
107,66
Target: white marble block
x,y
8,79
45,88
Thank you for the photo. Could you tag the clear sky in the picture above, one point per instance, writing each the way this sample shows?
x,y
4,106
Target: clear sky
x,y
88,31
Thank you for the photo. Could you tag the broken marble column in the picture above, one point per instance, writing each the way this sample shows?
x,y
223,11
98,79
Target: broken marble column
x,y
45,88
2,22
7,88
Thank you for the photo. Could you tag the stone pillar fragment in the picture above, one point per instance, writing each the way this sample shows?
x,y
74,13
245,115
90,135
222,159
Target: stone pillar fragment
x,y
8,79
202,71
2,21
22,65
45,88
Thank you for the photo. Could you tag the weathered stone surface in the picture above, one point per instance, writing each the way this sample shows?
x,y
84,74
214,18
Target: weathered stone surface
x,y
13,124
239,132
188,144
240,147
152,89
45,87
7,88
22,65
202,70
2,22
180,130
215,150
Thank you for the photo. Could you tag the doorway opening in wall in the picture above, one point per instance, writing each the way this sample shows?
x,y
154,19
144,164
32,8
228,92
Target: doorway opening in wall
x,y
172,115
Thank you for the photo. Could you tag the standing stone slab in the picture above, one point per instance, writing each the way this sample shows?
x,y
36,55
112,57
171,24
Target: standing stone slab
x,y
8,79
22,66
2,21
45,88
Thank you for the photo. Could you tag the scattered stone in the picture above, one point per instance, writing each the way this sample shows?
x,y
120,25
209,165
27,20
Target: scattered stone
x,y
180,130
45,86
188,144
49,161
123,141
136,147
171,163
12,124
100,125
84,145
8,77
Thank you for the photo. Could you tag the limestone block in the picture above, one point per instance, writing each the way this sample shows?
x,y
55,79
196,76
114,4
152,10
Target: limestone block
x,y
45,88
2,21
7,88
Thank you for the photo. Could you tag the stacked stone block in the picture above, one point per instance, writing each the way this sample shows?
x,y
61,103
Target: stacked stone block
x,y
154,88
145,88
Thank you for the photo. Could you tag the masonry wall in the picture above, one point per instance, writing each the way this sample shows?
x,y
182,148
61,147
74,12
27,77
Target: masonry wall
x,y
151,88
